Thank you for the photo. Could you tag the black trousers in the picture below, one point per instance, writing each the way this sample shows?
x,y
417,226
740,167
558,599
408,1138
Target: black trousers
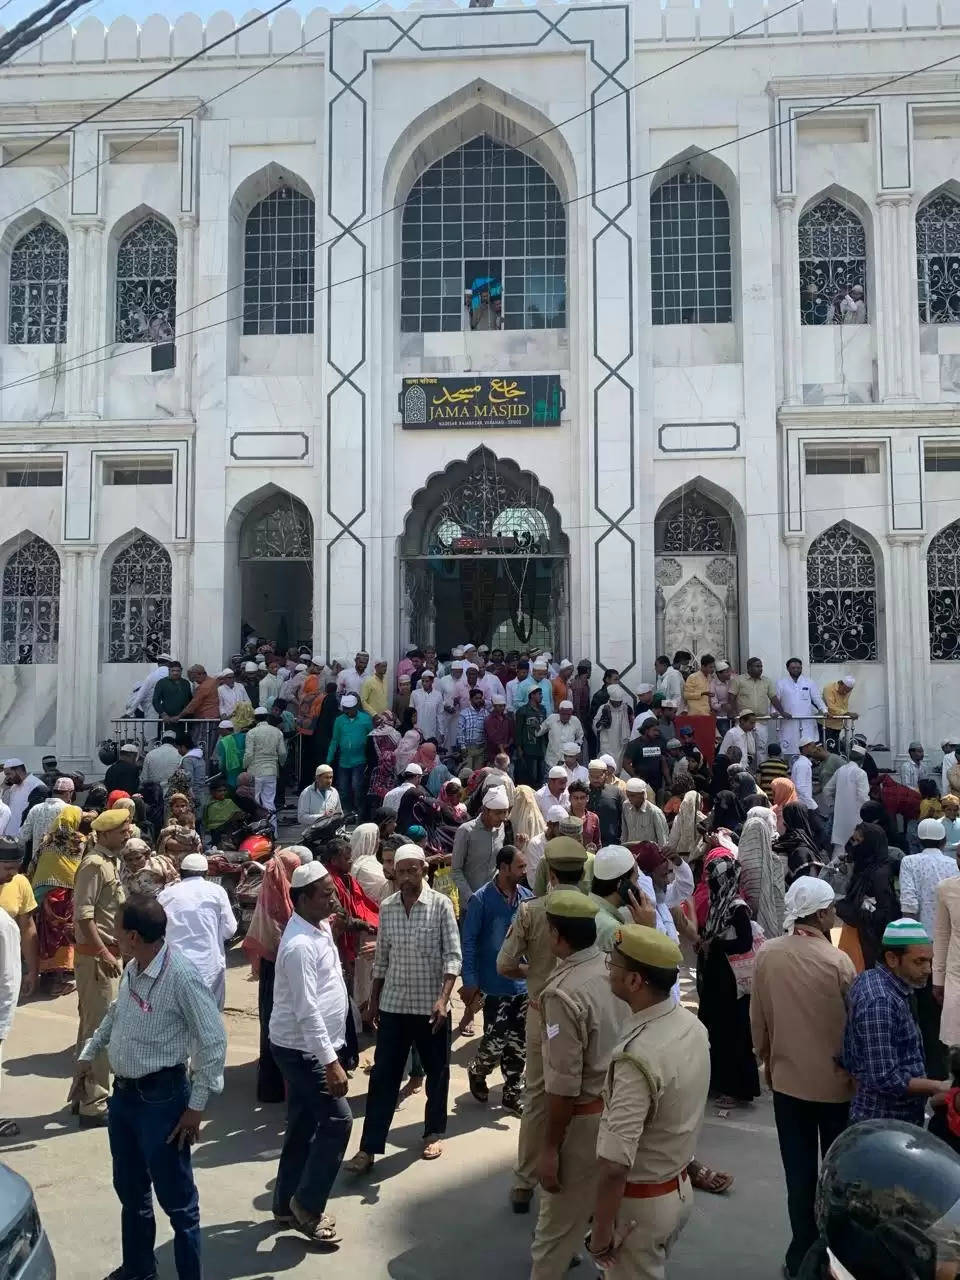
x,y
397,1034
928,1020
805,1130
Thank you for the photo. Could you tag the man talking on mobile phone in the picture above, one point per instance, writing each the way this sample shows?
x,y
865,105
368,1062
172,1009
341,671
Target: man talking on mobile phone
x,y
617,894
417,962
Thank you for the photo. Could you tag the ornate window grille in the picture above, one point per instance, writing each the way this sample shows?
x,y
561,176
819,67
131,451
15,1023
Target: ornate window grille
x,y
30,604
280,529
485,218
485,514
841,598
147,283
690,263
938,260
39,270
141,584
943,594
833,259
278,254
693,525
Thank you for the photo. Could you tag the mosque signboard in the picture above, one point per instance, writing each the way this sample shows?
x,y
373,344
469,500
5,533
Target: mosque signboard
x,y
521,400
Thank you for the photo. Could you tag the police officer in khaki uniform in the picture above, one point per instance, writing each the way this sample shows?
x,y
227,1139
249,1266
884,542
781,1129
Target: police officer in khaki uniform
x,y
581,1023
653,1101
527,953
97,899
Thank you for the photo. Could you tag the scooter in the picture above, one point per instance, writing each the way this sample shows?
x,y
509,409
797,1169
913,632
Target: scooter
x,y
318,833
227,867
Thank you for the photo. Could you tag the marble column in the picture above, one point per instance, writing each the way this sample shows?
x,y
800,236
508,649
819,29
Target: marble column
x,y
77,684
797,639
187,317
898,338
85,361
789,301
907,656
180,600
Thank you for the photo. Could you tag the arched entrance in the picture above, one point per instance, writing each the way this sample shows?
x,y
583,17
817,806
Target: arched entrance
x,y
484,559
276,571
697,599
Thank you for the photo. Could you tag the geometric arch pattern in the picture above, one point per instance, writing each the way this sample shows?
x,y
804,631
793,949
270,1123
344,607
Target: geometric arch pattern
x,y
841,597
147,283
140,588
833,259
39,283
30,604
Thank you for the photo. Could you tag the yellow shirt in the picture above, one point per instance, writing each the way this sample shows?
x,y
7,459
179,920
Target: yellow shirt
x,y
837,698
16,896
696,694
374,696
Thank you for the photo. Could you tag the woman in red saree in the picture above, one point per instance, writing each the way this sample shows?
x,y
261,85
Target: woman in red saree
x,y
57,864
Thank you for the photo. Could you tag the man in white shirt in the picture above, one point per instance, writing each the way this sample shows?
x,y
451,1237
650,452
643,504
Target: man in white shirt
x,y
850,790
16,792
38,823
321,799
199,922
229,693
411,777
491,685
669,680
427,701
742,735
801,774
797,697
141,698
11,970
561,727
447,688
949,760
576,772
350,679
307,1027
554,791
914,767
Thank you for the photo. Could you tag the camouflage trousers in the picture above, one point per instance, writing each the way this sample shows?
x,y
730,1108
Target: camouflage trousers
x,y
504,1041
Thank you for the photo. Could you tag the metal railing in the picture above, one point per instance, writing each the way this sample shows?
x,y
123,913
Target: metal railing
x,y
145,732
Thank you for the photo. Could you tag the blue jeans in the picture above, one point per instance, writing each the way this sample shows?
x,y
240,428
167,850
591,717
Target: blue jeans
x,y
141,1119
351,784
318,1130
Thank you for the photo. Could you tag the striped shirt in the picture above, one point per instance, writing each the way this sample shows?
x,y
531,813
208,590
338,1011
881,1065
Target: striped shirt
x,y
415,951
160,1018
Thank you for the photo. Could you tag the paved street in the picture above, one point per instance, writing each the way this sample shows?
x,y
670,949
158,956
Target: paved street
x,y
411,1221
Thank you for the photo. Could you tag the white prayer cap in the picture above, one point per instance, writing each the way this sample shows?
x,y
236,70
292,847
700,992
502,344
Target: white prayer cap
x,y
635,785
164,657
547,656
318,661
468,646
194,862
224,724
849,681
566,705
615,693
457,651
857,750
168,736
566,663
131,748
571,748
495,798
471,666
674,744
598,764
14,763
456,664
301,850
261,711
809,742
483,648
414,768
557,772
671,703
405,678
723,666
498,700
613,861
644,688
308,873
931,829
539,664
227,671
323,768
429,674
301,666
608,762
743,714
806,895
349,700
250,667
408,853
260,660
379,662
556,813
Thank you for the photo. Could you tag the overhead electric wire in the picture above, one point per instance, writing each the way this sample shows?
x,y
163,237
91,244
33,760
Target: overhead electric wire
x,y
12,43
586,195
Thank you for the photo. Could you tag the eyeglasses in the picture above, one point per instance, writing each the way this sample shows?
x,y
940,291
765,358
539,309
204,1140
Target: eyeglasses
x,y
612,964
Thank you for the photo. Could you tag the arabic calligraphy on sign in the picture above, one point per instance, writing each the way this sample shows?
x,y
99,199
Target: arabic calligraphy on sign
x,y
524,400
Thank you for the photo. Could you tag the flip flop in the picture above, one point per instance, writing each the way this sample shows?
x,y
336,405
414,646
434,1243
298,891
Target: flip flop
x,y
432,1148
704,1178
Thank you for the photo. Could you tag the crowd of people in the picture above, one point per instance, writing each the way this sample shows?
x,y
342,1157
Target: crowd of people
x,y
566,849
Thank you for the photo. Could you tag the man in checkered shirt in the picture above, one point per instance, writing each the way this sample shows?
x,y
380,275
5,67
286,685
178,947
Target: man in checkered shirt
x,y
417,961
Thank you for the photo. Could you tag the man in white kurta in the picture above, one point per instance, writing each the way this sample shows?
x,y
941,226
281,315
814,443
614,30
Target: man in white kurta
x,y
447,686
850,789
799,698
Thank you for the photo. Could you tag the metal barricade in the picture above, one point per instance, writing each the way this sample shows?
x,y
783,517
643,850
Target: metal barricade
x,y
146,732
844,735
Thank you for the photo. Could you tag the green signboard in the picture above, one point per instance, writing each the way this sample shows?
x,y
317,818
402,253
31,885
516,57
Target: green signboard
x,y
521,400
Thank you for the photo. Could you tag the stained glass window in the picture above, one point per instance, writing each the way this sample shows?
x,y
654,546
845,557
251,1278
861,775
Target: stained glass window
x,y
39,267
141,583
938,260
30,604
278,253
484,244
690,264
841,598
147,283
833,260
943,594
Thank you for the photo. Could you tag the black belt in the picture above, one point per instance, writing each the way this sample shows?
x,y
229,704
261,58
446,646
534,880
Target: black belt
x,y
155,1077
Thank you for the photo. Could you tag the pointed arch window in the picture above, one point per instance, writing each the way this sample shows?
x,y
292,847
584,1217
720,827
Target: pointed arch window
x,y
278,254
39,271
938,260
690,263
484,244
833,261
692,524
140,587
841,598
30,604
943,594
147,283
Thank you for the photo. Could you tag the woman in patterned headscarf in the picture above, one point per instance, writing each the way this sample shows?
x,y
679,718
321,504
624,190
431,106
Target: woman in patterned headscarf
x,y
53,878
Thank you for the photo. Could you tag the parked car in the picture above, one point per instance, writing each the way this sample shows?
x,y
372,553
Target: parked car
x,y
25,1252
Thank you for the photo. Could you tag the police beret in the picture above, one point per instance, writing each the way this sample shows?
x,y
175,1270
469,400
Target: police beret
x,y
647,946
110,820
565,852
571,904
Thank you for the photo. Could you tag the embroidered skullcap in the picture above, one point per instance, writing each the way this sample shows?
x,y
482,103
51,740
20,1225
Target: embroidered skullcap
x,y
906,932
557,772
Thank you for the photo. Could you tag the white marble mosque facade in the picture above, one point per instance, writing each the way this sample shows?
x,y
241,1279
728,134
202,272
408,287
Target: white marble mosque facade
x,y
350,109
